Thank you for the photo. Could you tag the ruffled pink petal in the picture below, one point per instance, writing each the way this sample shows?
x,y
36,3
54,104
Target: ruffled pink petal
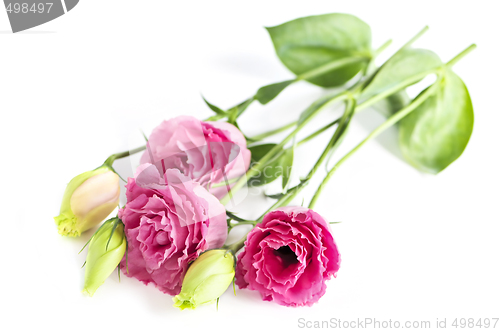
x,y
288,257
169,221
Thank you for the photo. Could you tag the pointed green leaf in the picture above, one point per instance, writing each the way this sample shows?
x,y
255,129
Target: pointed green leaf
x,y
269,92
213,107
271,170
436,133
310,42
276,196
259,151
244,105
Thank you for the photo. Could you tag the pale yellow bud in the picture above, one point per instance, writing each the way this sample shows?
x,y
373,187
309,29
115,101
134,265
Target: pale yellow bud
x,y
106,249
207,278
89,198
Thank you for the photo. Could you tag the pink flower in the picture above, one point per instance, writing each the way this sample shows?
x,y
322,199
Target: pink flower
x,y
288,257
168,222
207,152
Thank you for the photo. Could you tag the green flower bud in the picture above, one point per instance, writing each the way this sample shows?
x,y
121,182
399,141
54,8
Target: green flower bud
x,y
106,249
89,198
206,279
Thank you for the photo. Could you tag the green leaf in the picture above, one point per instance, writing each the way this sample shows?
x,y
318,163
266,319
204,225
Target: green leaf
x,y
259,151
276,196
406,64
310,42
271,170
436,133
286,164
214,108
269,92
393,103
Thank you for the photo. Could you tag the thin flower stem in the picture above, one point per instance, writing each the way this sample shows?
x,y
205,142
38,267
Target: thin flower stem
x,y
318,132
231,225
409,81
341,62
330,66
354,90
255,170
382,48
124,154
417,36
260,137
459,56
291,194
391,121
339,132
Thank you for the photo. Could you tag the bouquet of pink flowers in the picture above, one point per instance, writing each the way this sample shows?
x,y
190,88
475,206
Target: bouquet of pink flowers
x,y
172,230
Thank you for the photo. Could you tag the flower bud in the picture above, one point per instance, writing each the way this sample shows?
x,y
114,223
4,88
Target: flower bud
x,y
89,198
106,249
206,279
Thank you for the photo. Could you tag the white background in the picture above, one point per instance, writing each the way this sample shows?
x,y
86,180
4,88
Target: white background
x,y
79,88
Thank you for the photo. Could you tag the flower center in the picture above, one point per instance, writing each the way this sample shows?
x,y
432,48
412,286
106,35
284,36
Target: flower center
x,y
286,255
162,238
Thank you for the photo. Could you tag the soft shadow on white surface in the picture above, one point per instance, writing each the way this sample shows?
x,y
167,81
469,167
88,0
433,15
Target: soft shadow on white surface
x,y
251,65
369,120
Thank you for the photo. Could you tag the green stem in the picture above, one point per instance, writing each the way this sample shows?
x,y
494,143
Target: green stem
x,y
344,121
255,170
111,159
355,90
409,81
417,36
224,183
318,132
459,56
260,137
230,226
330,66
412,79
339,132
382,48
391,121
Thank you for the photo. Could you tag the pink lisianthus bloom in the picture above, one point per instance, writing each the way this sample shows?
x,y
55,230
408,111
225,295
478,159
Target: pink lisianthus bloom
x,y
288,257
207,152
169,221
